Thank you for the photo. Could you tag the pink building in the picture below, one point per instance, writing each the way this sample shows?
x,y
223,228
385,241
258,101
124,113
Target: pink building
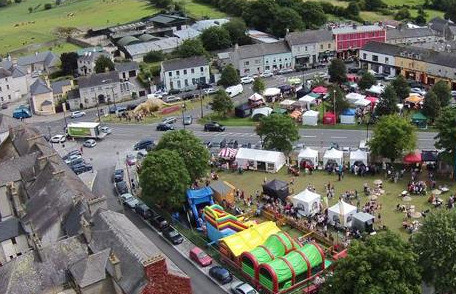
x,y
349,39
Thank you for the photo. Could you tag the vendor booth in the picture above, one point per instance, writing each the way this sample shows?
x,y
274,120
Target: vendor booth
x,y
294,81
364,222
376,90
227,153
413,158
320,90
308,154
223,191
310,118
347,116
258,113
420,120
276,189
341,213
307,203
353,97
358,156
334,155
287,104
362,103
272,94
256,100
303,91
243,110
329,118
263,160
308,99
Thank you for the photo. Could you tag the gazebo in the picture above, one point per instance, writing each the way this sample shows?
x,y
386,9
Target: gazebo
x,y
320,90
308,154
420,120
411,158
329,118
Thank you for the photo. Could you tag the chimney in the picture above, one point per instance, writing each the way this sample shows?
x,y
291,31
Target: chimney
x,y
113,267
86,230
97,203
16,201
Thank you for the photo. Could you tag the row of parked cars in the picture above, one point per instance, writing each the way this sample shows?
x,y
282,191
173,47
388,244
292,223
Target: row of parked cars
x,y
76,163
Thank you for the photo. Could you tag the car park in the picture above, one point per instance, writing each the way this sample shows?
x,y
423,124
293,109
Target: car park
x,y
213,127
200,257
82,168
90,143
143,210
169,120
165,127
106,130
130,159
159,222
266,74
144,144
221,274
242,288
187,120
171,99
247,80
58,139
118,175
172,235
121,187
76,114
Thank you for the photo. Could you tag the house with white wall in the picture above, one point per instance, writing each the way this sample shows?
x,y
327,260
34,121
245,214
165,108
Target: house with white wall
x,y
379,57
13,84
185,73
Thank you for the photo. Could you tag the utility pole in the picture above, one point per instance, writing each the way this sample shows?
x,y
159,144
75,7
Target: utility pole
x,y
98,109
183,113
201,100
334,105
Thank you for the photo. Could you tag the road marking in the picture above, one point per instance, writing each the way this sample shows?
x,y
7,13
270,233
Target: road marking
x,y
308,136
338,137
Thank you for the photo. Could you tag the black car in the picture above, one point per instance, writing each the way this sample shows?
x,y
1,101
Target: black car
x,y
118,175
113,109
189,96
144,144
143,210
73,152
121,187
203,86
131,106
353,70
221,274
159,222
82,168
213,127
165,127
174,91
172,235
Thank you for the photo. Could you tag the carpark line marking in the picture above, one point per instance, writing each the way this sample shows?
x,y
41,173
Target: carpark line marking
x,y
338,137
308,136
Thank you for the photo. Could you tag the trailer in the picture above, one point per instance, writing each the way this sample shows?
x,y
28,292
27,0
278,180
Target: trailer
x,y
90,130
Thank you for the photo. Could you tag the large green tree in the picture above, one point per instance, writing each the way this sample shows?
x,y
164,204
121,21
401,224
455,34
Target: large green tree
x,y
337,71
401,87
431,106
286,18
420,19
337,96
312,13
103,64
393,135
69,63
215,38
259,14
381,264
229,76
443,92
434,245
387,103
222,103
372,5
367,80
402,14
278,132
164,178
190,149
258,85
236,28
353,9
446,127
191,47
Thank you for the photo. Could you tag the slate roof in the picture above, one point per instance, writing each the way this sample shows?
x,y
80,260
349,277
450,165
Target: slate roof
x,y
438,24
72,224
309,37
57,86
114,230
90,269
92,56
204,24
27,274
98,79
7,121
382,48
356,29
39,87
166,19
255,50
10,170
48,58
4,73
392,34
126,66
10,228
18,72
6,64
156,45
182,63
128,40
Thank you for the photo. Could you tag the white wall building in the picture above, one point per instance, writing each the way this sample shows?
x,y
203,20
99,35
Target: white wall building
x,y
185,73
379,57
86,62
13,84
100,88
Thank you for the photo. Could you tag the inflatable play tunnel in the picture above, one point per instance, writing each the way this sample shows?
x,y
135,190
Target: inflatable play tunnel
x,y
295,267
221,224
276,245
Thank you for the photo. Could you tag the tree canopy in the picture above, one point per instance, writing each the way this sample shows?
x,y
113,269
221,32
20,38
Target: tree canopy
x,y
190,149
382,264
367,80
103,64
401,87
420,19
154,56
236,28
164,178
337,71
431,106
222,103
392,136
373,5
402,14
446,128
353,8
191,47
387,103
443,92
229,76
215,38
260,14
258,85
278,132
340,99
433,244
312,13
69,63
286,18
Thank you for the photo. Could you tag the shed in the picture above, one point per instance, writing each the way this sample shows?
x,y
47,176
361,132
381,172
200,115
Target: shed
x,y
243,110
308,154
347,116
223,191
420,120
364,222
263,160
310,118
329,118
307,203
341,212
333,155
358,155
276,189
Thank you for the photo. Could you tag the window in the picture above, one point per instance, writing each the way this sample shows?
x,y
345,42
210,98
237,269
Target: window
x,y
386,60
0,89
305,48
13,240
178,84
1,98
321,46
7,87
177,73
185,71
202,69
374,57
257,61
92,89
364,56
186,83
246,63
171,85
192,70
329,46
9,97
170,74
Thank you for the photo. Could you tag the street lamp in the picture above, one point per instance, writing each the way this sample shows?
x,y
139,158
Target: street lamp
x,y
183,114
334,105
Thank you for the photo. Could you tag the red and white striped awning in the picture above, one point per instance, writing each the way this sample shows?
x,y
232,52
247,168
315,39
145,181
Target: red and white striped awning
x,y
227,153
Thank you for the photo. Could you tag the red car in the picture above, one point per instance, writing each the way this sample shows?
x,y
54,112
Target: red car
x,y
200,257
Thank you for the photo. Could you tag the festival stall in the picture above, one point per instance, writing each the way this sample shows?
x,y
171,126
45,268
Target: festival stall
x,y
353,97
310,118
412,158
272,94
307,203
309,99
420,120
347,116
262,160
358,156
243,110
329,118
308,154
341,213
258,113
333,155
362,103
276,189
320,90
256,100
376,90
223,191
364,222
287,104
227,153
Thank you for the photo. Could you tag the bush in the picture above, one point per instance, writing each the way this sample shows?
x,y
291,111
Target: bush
x,y
47,6
154,56
155,70
17,1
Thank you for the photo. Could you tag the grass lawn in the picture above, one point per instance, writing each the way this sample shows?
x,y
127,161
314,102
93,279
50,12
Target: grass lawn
x,y
334,2
251,181
403,2
200,11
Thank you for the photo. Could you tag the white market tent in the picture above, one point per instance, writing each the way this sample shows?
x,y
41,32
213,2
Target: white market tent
x,y
263,111
358,155
341,211
376,89
309,155
307,202
256,98
362,102
308,99
264,160
333,154
353,97
271,92
287,103
310,118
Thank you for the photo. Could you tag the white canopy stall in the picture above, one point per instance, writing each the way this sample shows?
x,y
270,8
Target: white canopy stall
x,y
376,89
362,103
310,118
264,160
333,154
307,203
260,112
353,97
309,155
307,100
287,104
343,212
272,94
358,155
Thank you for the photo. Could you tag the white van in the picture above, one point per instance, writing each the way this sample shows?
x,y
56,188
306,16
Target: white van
x,y
234,90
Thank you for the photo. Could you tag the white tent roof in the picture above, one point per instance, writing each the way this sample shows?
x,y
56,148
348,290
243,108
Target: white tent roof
x,y
346,208
307,153
333,154
259,155
362,102
266,111
353,97
307,99
305,196
271,92
287,102
358,155
256,97
311,113
376,89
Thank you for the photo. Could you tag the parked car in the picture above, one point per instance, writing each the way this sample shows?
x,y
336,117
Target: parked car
x,y
106,130
113,109
266,74
171,99
121,187
144,144
390,78
453,94
130,159
173,235
242,288
73,152
200,257
190,96
118,175
211,91
169,120
75,162
174,92
285,71
131,203
132,106
187,120
213,127
143,210
72,158
5,105
159,222
203,86
76,114
165,127
125,197
418,91
121,110
90,143
221,274
247,80
58,139
82,168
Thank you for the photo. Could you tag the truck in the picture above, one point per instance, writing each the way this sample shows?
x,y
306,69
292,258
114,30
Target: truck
x,y
234,90
90,130
22,112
